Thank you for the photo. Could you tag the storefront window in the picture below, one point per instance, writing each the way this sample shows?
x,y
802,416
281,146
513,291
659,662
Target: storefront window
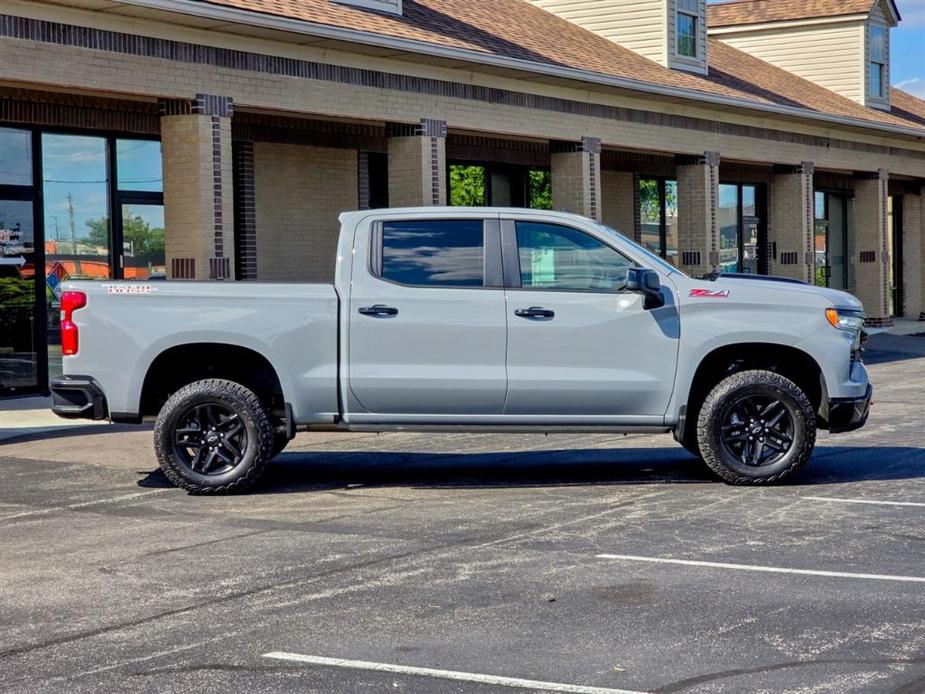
x,y
15,157
19,335
499,185
658,217
139,165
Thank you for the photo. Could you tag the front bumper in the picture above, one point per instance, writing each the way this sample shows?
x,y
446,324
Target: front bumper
x,y
78,397
848,414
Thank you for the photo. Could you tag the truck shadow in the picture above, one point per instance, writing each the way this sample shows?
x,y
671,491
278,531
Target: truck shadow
x,y
307,471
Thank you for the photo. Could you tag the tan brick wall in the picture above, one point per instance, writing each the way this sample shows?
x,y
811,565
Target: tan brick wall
x,y
300,191
189,214
573,188
914,255
26,62
412,174
698,225
618,201
870,229
791,228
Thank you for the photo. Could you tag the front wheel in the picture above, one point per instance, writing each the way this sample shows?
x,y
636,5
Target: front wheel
x,y
756,427
213,437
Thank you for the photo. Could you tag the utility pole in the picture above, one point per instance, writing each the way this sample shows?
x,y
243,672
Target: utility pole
x,y
70,214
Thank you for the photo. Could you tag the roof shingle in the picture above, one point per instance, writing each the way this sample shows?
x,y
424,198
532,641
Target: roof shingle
x,y
736,12
518,29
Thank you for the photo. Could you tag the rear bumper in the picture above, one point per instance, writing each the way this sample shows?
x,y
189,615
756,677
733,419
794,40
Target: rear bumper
x,y
848,414
78,397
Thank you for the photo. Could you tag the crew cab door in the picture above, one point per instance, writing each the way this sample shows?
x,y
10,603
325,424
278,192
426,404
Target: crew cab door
x,y
427,324
578,345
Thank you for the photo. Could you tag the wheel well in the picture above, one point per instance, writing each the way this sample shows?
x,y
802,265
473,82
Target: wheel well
x,y
790,362
184,364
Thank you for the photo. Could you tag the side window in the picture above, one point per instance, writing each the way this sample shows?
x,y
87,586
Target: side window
x,y
558,257
433,253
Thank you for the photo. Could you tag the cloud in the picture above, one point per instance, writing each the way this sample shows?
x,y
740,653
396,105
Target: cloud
x,y
915,86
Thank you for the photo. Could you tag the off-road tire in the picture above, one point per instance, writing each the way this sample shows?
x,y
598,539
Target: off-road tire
x,y
760,383
252,414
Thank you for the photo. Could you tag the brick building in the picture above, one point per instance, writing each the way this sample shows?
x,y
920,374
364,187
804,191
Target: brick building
x,y
219,139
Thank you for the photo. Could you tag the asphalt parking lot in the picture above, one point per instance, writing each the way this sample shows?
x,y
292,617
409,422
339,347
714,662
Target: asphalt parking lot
x,y
462,563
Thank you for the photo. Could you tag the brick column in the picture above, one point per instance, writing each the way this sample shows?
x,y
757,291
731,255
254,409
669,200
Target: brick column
x,y
198,187
698,223
576,177
417,164
793,221
619,201
871,256
914,254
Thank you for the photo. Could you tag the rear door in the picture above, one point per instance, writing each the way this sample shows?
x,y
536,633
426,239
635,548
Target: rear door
x,y
427,329
578,345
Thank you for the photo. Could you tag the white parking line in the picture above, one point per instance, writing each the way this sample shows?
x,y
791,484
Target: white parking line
x,y
446,674
767,569
872,502
83,504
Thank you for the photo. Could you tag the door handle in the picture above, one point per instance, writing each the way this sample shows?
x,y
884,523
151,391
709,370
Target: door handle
x,y
535,312
379,311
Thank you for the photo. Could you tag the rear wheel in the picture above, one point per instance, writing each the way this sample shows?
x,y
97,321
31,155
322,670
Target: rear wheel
x,y
213,437
756,427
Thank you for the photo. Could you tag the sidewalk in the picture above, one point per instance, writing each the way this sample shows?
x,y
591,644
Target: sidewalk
x,y
25,416
905,327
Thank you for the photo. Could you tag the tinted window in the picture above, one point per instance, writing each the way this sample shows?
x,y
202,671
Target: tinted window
x,y
445,253
557,257
15,157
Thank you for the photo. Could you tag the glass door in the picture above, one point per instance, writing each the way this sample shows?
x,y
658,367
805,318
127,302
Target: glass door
x,y
742,229
831,240
22,349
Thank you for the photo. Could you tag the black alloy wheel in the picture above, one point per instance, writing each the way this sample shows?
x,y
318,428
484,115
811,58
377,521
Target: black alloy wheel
x,y
758,430
211,439
756,427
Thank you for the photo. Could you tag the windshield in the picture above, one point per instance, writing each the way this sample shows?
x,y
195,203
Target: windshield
x,y
658,261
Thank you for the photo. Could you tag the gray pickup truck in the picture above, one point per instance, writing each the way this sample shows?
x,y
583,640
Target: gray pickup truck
x,y
481,320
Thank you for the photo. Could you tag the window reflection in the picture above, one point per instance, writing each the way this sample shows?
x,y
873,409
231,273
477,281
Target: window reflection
x,y
76,189
143,242
557,257
15,157
434,253
139,165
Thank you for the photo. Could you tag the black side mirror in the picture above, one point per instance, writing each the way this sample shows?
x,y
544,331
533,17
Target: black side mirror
x,y
645,282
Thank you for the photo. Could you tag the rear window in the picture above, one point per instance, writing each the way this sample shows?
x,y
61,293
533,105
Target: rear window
x,y
434,253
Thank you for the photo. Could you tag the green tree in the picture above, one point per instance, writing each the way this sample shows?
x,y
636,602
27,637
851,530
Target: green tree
x,y
467,186
140,238
540,183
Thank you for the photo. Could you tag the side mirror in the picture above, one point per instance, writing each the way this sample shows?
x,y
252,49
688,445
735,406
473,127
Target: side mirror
x,y
646,282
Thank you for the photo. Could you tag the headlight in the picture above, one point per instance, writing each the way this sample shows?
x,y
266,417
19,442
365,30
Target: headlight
x,y
852,321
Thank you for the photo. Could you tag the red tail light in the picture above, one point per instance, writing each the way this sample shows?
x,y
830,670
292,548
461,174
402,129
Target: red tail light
x,y
70,302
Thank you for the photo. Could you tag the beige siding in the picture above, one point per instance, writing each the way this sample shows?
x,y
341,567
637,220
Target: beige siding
x,y
831,55
300,191
639,25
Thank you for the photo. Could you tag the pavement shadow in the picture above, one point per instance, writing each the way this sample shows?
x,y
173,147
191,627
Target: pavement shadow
x,y
307,471
883,348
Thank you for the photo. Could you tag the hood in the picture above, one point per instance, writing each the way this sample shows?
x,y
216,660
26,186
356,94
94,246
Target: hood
x,y
839,299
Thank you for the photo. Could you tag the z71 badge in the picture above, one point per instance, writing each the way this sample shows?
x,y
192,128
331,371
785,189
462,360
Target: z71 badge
x,y
710,293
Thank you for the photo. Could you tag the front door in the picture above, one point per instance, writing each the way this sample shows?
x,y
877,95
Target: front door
x,y
22,305
427,326
579,346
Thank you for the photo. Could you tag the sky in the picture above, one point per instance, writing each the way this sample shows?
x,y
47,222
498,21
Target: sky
x,y
907,50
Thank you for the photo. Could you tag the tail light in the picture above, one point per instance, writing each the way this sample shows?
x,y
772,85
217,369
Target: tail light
x,y
70,302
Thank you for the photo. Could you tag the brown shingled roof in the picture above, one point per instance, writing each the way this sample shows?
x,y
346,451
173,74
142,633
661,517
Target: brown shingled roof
x,y
518,29
735,12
